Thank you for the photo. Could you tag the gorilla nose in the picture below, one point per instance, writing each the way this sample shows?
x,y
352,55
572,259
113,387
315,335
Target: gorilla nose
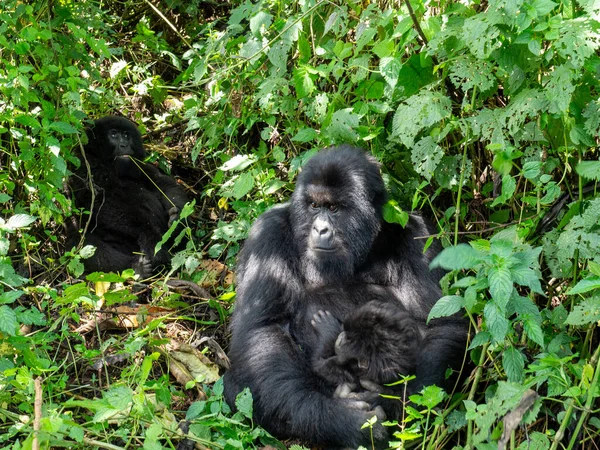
x,y
321,235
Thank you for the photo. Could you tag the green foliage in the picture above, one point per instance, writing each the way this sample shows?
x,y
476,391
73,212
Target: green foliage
x,y
482,114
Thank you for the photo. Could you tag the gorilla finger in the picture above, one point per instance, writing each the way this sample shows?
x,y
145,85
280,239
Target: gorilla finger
x,y
369,397
355,404
378,411
370,386
344,390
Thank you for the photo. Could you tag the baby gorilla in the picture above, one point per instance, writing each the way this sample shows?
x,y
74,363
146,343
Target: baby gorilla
x,y
376,343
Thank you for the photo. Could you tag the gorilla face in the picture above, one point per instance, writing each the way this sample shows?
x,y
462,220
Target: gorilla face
x,y
336,214
380,340
121,142
115,140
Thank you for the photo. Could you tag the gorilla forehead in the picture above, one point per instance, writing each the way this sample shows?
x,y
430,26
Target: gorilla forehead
x,y
343,169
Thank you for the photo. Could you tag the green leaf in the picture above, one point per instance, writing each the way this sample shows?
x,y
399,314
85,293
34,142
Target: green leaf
x,y
532,169
589,170
534,330
303,81
63,128
305,135
239,162
513,364
390,70
243,403
425,156
496,321
19,221
461,256
8,321
119,397
501,285
243,185
585,285
509,185
430,397
446,306
344,123
418,112
393,213
588,311
260,23
195,410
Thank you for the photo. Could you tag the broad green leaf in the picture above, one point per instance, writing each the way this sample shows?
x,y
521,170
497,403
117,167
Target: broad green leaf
x,y
390,69
496,322
508,189
87,251
589,170
195,410
243,185
260,23
344,123
586,312
239,162
513,364
501,285
119,397
531,169
430,397
425,156
585,285
303,82
305,135
8,321
243,403
63,128
418,112
19,221
461,256
446,306
393,213
534,331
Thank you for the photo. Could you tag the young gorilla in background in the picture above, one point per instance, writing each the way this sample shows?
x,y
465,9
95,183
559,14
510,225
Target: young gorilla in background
x,y
331,234
134,205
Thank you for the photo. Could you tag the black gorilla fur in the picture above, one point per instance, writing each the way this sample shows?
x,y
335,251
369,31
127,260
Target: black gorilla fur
x,y
330,236
130,213
376,342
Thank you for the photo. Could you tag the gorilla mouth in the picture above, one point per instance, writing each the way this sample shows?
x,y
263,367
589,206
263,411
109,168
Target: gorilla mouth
x,y
324,249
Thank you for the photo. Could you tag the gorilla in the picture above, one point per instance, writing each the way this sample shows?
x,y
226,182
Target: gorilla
x,y
134,203
377,342
330,236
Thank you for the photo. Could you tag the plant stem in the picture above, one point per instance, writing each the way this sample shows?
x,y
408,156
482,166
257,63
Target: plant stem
x,y
590,398
472,393
458,197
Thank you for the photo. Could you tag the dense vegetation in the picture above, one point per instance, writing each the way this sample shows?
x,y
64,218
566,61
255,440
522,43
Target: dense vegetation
x,y
485,115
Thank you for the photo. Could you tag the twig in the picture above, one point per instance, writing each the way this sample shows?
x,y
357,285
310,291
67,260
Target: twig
x,y
411,12
37,412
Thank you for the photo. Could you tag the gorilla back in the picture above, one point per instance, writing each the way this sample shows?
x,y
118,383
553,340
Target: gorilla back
x,y
134,203
332,234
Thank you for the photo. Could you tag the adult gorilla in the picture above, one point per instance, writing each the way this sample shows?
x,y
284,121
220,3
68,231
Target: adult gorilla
x,y
330,236
134,202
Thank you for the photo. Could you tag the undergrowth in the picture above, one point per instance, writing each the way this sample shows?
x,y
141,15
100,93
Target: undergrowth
x,y
485,116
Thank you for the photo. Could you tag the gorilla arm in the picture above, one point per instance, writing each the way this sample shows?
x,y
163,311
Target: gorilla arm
x,y
289,399
173,194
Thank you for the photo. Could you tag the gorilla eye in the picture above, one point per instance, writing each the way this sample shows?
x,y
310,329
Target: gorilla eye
x,y
125,134
113,134
333,208
314,205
